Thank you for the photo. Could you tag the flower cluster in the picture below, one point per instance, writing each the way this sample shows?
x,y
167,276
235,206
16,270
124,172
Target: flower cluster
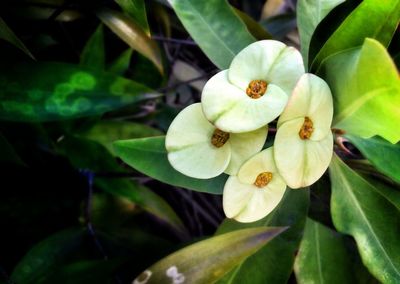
x,y
226,132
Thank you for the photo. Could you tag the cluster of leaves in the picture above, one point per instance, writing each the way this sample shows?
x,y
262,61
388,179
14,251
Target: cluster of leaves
x,y
78,75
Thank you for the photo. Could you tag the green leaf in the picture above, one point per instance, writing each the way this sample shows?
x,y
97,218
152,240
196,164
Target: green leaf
x,y
323,257
382,154
47,255
215,27
309,14
99,160
137,10
132,34
362,89
274,262
149,156
382,18
106,132
121,63
208,260
254,28
7,34
59,91
360,210
93,54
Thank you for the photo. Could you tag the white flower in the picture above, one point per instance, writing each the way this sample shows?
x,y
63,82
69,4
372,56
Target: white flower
x,y
255,88
255,191
304,143
198,149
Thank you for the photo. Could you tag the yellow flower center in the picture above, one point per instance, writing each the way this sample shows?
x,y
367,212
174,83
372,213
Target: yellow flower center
x,y
256,89
219,138
306,129
263,179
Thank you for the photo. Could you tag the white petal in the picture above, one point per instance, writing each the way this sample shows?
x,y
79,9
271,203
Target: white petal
x,y
301,162
261,162
243,146
267,60
231,110
311,97
248,203
189,147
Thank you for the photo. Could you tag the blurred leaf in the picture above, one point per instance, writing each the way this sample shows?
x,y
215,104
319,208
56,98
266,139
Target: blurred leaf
x,y
212,25
106,132
137,10
7,34
47,255
132,34
185,72
382,154
7,153
149,156
208,260
382,18
280,25
366,94
359,210
59,91
99,160
254,28
121,63
93,54
323,257
274,262
309,15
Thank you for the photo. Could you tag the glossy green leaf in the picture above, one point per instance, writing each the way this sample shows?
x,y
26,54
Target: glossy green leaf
x,y
254,28
149,156
121,63
309,15
99,160
274,262
47,255
107,131
322,257
132,34
366,94
58,91
7,34
212,25
137,10
382,18
360,210
382,154
93,54
208,260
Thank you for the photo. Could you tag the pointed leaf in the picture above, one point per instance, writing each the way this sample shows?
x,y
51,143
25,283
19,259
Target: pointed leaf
x,y
382,18
93,54
208,260
274,262
382,154
203,20
309,14
149,156
57,91
121,64
137,10
322,256
362,89
360,210
132,34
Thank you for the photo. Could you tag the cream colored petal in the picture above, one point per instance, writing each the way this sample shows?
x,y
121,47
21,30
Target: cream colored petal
x,y
300,162
261,162
189,147
248,203
311,97
267,60
243,146
236,113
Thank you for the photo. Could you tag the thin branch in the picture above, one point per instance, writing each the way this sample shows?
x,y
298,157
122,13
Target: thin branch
x,y
174,40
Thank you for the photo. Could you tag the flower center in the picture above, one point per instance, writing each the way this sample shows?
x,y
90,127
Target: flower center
x,y
263,179
219,138
306,129
256,89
